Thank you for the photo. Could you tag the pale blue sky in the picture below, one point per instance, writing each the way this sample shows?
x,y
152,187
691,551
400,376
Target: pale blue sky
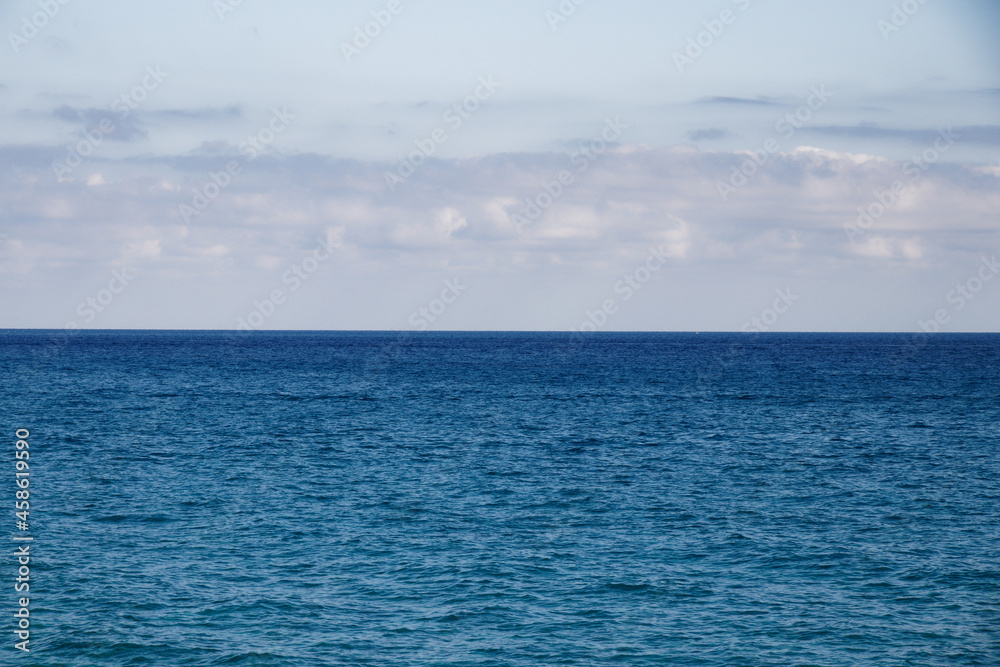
x,y
62,232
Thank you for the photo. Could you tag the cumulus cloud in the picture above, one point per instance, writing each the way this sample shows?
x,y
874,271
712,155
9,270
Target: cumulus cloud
x,y
788,221
624,200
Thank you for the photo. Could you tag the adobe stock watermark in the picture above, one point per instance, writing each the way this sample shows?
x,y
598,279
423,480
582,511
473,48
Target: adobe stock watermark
x,y
22,553
454,118
885,199
249,149
91,306
294,277
714,29
363,36
89,309
769,316
30,28
562,13
583,158
121,108
786,128
755,326
901,15
963,293
423,317
629,284
959,297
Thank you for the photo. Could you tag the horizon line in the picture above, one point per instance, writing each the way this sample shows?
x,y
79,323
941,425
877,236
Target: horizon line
x,y
489,331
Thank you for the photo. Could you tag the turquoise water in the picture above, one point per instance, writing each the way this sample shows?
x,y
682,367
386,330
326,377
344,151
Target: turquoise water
x,y
508,499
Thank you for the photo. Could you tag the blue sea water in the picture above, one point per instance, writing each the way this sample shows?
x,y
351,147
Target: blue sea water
x,y
506,499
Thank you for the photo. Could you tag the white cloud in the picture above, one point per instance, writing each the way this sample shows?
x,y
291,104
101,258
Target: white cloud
x,y
876,246
786,221
912,249
448,220
149,249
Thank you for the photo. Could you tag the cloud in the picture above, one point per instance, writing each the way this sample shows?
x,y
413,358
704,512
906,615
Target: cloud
x,y
881,247
755,101
68,114
217,147
980,134
453,217
709,134
127,129
28,158
146,249
791,213
912,249
132,128
61,97
875,246
436,228
203,114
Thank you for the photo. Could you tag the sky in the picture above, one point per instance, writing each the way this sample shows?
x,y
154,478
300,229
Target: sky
x,y
721,165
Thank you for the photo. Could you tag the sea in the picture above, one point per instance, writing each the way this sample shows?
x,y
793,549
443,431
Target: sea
x,y
503,499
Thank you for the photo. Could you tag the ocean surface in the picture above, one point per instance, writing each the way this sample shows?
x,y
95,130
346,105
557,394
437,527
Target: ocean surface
x,y
506,499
